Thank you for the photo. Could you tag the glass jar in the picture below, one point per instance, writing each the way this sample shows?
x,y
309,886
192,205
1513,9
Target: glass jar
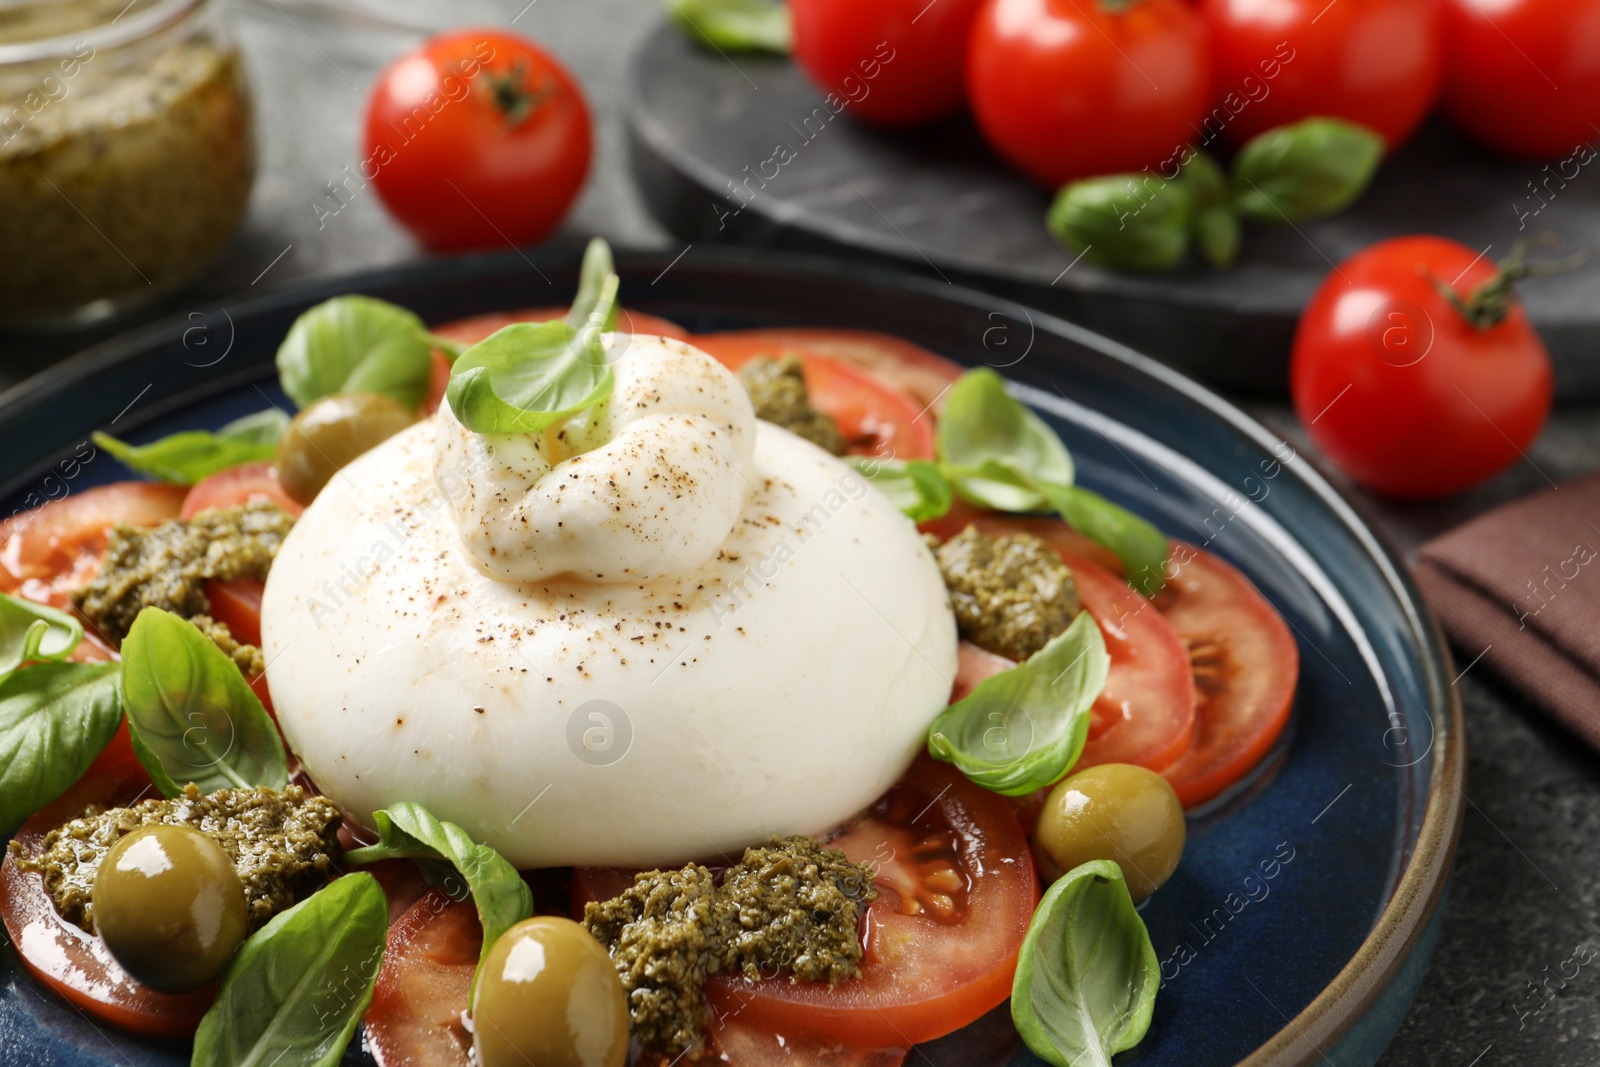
x,y
126,153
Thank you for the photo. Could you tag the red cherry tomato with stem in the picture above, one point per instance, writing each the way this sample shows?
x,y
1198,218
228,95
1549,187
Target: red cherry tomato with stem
x,y
1413,392
477,139
1374,62
1067,89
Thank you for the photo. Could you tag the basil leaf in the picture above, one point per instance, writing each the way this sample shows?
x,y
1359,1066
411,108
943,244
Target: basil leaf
x,y
191,713
410,831
991,446
355,344
295,991
1308,168
1087,975
185,458
525,378
1141,547
54,720
30,632
915,486
1137,222
597,267
1214,225
735,25
1023,729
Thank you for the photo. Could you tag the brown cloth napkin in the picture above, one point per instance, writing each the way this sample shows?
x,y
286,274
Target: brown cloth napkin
x,y
1522,584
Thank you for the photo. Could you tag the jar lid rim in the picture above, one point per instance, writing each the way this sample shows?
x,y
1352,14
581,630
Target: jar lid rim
x,y
117,32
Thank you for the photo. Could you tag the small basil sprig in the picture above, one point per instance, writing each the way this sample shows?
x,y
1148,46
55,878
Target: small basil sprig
x,y
187,457
190,712
54,720
1087,975
1137,222
443,850
1023,729
596,268
1213,223
1309,168
295,991
915,486
999,454
31,632
734,25
525,378
356,344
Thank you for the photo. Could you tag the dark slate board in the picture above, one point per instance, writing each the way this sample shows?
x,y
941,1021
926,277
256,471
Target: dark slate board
x,y
938,201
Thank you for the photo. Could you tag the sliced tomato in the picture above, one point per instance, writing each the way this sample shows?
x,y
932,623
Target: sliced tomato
x,y
69,961
425,984
956,890
877,419
438,382
237,605
1146,713
236,486
1246,664
471,331
735,1042
893,361
60,543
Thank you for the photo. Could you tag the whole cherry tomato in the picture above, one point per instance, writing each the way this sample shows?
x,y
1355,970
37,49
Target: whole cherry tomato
x,y
1523,76
476,139
890,62
1376,62
1066,89
1416,369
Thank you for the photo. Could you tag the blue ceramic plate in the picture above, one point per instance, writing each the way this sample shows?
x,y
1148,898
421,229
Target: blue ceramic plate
x,y
1303,915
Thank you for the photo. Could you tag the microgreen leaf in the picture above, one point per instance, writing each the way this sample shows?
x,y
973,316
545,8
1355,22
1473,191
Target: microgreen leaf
x,y
915,486
54,720
185,458
525,378
1023,729
30,631
191,714
1087,975
992,447
355,344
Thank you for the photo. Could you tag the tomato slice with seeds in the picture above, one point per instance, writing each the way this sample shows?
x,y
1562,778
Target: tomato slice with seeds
x,y
876,418
60,543
1146,713
1246,664
425,984
236,486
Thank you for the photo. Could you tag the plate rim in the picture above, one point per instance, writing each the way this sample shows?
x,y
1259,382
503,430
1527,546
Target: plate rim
x,y
1413,905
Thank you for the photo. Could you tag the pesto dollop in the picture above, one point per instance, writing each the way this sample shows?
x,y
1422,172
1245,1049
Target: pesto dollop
x,y
282,844
1011,594
167,566
777,389
792,907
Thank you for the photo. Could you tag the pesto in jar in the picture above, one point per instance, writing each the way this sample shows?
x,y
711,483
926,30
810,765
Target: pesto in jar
x,y
1011,595
282,844
777,389
167,566
792,907
123,170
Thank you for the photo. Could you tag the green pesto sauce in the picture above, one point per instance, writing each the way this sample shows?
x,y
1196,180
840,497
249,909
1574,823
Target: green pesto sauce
x,y
777,388
167,566
1011,595
282,844
792,907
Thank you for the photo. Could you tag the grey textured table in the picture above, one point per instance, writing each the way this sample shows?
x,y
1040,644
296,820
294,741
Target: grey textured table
x,y
1526,891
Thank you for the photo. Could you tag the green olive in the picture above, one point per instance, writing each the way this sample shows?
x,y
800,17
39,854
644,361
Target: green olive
x,y
548,994
1116,812
332,431
169,906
